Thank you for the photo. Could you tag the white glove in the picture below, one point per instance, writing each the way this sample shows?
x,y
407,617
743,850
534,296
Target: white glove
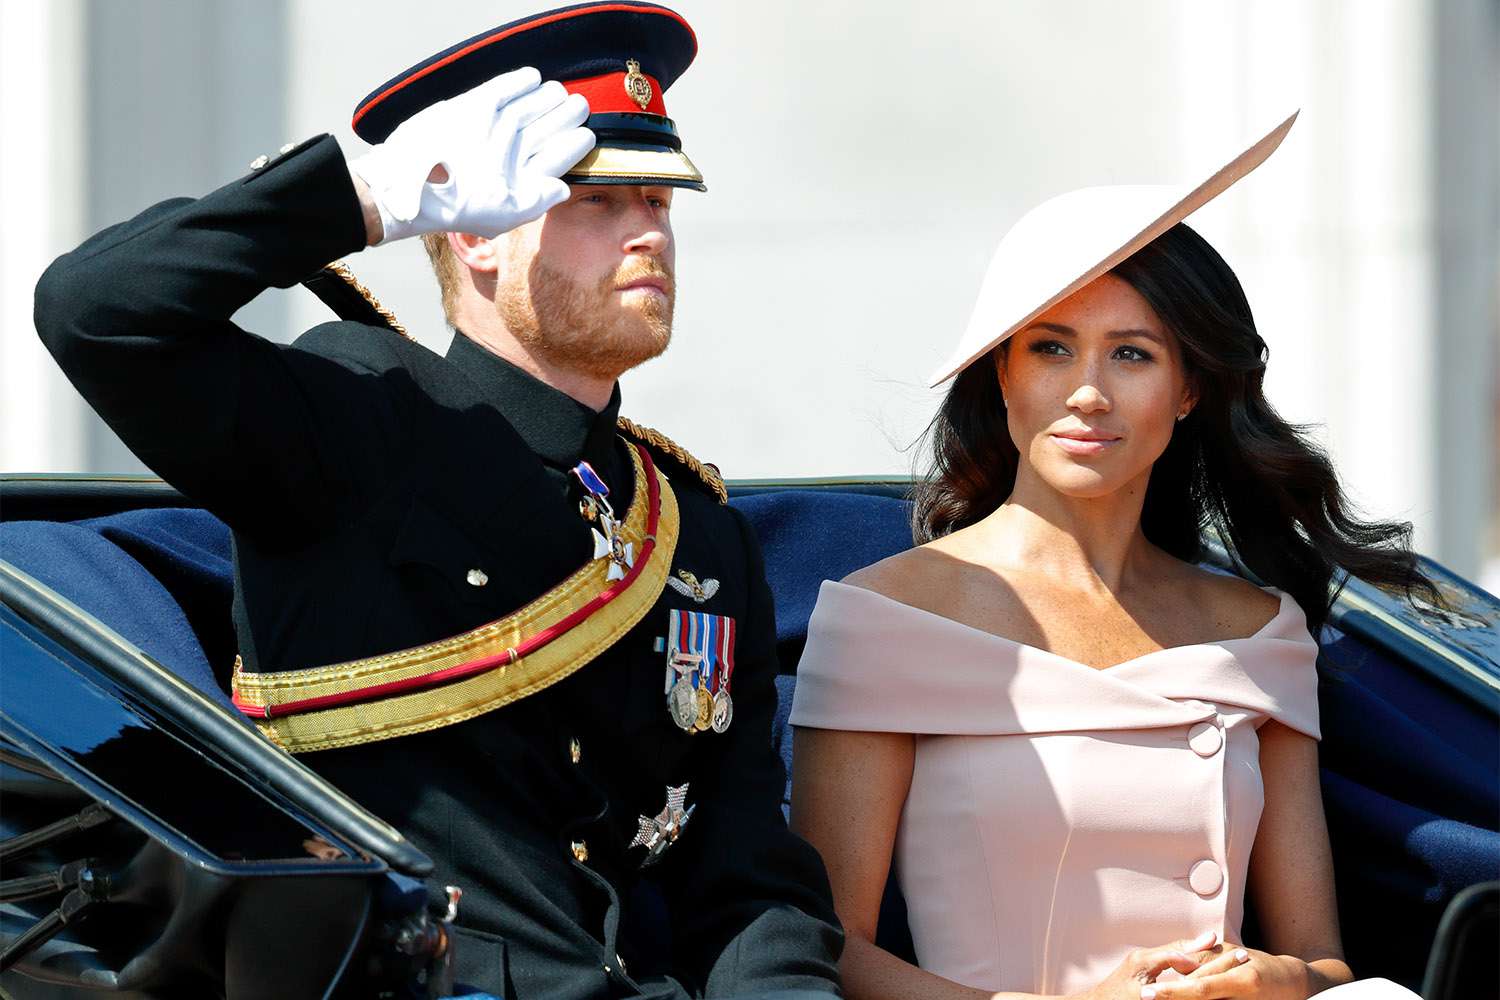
x,y
504,145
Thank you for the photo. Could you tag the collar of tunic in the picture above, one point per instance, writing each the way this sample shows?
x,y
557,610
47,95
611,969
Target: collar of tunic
x,y
554,425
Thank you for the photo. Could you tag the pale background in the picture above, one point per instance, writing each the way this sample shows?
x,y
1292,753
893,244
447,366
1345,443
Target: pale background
x,y
863,158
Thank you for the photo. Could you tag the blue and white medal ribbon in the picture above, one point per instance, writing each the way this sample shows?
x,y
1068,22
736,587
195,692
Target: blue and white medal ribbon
x,y
596,509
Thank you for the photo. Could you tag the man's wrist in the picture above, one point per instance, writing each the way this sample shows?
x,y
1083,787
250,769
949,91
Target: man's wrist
x,y
374,228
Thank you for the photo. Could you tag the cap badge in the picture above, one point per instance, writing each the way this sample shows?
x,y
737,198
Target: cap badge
x,y
636,84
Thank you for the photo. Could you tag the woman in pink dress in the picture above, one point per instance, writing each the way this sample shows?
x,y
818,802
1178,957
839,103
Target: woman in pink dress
x,y
1075,747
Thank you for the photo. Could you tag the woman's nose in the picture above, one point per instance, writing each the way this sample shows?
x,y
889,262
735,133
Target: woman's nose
x,y
1088,398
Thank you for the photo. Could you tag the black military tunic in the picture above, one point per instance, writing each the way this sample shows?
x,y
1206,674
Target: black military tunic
x,y
381,497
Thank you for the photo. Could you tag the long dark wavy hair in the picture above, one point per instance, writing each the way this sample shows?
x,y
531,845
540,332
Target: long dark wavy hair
x,y
1233,464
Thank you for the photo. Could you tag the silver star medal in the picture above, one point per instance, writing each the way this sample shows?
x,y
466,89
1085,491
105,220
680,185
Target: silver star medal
x,y
659,832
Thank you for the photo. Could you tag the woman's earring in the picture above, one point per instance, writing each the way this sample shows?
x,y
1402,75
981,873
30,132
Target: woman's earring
x,y
1181,416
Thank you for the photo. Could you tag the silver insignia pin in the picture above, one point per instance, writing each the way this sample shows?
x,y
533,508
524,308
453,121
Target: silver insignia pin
x,y
688,585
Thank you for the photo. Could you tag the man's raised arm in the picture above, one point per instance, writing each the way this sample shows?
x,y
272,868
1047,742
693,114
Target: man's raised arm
x,y
276,440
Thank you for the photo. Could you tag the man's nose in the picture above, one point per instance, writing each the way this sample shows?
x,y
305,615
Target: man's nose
x,y
649,233
651,240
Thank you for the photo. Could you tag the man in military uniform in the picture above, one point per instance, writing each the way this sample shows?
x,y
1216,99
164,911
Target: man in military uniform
x,y
452,592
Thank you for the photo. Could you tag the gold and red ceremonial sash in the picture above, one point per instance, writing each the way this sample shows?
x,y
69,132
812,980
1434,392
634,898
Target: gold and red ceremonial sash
x,y
441,683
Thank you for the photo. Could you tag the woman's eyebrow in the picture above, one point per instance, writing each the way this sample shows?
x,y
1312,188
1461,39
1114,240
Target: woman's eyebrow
x,y
1068,331
1124,334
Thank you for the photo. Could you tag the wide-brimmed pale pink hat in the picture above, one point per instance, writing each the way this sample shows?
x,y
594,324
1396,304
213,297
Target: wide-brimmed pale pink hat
x,y
1065,243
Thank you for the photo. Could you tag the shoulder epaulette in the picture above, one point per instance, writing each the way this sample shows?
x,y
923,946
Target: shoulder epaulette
x,y
664,446
349,299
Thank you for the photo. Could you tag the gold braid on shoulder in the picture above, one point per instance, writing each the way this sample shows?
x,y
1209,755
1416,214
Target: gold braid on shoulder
x,y
343,270
349,299
658,441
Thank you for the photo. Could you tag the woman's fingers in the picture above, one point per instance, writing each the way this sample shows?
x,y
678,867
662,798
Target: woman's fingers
x,y
1149,963
1231,959
1222,986
1182,956
1202,942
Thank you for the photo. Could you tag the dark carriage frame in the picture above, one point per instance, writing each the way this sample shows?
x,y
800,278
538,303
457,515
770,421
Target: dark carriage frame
x,y
1453,657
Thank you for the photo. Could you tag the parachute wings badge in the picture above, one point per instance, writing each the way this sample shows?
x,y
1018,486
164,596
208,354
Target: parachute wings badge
x,y
688,585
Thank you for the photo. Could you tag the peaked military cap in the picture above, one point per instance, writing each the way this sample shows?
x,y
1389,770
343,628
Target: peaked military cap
x,y
621,56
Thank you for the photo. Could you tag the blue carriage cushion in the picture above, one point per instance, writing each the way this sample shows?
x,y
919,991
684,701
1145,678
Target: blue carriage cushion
x,y
188,552
87,563
809,536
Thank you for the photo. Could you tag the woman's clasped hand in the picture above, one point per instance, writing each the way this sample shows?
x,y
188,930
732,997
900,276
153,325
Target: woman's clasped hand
x,y
1237,972
1203,969
1143,967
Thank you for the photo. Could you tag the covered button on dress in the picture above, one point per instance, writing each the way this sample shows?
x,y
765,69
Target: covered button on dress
x,y
1059,814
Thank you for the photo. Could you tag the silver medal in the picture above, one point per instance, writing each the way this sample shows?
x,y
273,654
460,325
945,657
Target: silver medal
x,y
683,704
723,711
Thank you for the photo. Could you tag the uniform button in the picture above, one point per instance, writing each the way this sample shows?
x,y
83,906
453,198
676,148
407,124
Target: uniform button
x,y
575,750
1205,877
477,578
287,148
580,850
1205,739
259,162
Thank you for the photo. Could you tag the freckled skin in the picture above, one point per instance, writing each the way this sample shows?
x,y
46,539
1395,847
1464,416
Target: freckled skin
x,y
1063,564
1131,386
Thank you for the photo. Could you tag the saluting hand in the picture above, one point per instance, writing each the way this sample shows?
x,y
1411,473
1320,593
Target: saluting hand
x,y
483,162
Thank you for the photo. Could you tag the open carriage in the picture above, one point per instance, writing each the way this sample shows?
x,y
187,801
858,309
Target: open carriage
x,y
153,844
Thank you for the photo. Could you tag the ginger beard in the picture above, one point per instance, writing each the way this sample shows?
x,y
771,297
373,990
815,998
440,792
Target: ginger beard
x,y
594,329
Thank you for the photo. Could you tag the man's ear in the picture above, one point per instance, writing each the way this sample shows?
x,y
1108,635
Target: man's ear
x,y
475,252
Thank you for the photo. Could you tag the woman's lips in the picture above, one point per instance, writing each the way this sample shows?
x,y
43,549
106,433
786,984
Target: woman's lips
x,y
1084,445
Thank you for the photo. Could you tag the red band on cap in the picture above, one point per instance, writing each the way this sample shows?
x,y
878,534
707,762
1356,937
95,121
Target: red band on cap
x,y
607,95
517,29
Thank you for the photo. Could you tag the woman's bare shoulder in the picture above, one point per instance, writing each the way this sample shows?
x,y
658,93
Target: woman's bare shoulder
x,y
1237,606
938,577
904,575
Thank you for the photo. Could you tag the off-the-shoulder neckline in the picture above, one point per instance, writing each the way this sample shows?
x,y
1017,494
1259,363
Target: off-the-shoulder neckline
x,y
1285,599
